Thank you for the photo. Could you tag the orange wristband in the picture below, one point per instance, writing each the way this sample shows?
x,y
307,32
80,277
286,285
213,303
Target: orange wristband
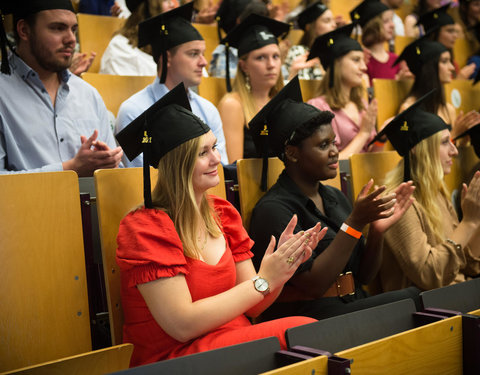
x,y
350,231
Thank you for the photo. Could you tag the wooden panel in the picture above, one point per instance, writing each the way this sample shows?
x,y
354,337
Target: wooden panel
x,y
371,165
43,290
212,89
118,192
462,95
98,362
115,89
462,50
309,88
432,349
401,42
317,366
343,8
94,34
395,91
249,172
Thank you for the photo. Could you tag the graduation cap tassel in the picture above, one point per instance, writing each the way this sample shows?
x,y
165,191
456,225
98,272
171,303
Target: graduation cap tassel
x,y
330,82
227,68
264,140
406,168
163,41
219,33
147,189
5,66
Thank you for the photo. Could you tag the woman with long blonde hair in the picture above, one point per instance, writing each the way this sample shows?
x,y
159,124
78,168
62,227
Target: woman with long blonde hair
x,y
188,282
258,79
428,247
342,91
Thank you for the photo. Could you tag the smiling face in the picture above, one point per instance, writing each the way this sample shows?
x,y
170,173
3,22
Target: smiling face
x,y
317,155
50,41
447,151
186,64
352,67
445,68
262,66
205,174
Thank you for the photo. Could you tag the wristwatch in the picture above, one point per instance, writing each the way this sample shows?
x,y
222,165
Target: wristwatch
x,y
261,285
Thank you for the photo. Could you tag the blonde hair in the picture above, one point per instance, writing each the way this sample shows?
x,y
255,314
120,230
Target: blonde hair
x,y
333,95
248,104
174,194
427,174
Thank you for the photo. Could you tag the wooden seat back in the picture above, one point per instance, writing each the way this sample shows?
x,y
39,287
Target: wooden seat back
x,y
44,311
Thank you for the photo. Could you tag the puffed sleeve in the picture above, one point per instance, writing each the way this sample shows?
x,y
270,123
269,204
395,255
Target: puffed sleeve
x,y
232,227
149,247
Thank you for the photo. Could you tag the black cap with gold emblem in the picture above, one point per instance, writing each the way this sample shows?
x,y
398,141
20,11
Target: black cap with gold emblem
x,y
165,125
410,127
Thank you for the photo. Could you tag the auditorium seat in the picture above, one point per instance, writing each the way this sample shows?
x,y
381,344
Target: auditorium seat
x,y
119,191
115,89
98,362
94,34
44,312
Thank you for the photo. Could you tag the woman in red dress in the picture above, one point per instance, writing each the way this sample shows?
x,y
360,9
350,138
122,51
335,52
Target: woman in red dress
x,y
188,283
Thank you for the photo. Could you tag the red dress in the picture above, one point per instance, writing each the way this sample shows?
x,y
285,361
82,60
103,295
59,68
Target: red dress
x,y
149,248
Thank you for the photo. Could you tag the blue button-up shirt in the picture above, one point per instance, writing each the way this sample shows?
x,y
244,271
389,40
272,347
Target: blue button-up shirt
x,y
142,100
35,135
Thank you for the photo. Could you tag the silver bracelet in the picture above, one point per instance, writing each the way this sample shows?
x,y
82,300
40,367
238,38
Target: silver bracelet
x,y
456,245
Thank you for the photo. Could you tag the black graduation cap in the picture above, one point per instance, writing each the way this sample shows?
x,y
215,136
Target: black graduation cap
x,y
252,33
419,52
275,123
165,125
21,9
310,14
435,19
367,10
166,31
228,13
474,133
330,46
410,127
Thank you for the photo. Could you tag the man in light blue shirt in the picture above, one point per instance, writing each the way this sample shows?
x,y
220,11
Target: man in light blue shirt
x,y
179,52
50,120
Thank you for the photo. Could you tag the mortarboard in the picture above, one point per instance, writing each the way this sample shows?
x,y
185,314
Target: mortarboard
x,y
419,52
228,13
310,14
165,125
252,33
277,121
167,30
409,128
435,19
330,46
21,9
474,133
367,10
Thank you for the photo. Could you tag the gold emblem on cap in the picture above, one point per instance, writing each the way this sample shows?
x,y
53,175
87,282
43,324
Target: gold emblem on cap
x,y
356,16
265,130
146,138
435,15
404,127
418,50
330,42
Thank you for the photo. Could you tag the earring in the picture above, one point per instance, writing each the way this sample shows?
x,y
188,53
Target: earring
x,y
247,83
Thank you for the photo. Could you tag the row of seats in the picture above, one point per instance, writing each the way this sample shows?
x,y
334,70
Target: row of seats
x,y
43,251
